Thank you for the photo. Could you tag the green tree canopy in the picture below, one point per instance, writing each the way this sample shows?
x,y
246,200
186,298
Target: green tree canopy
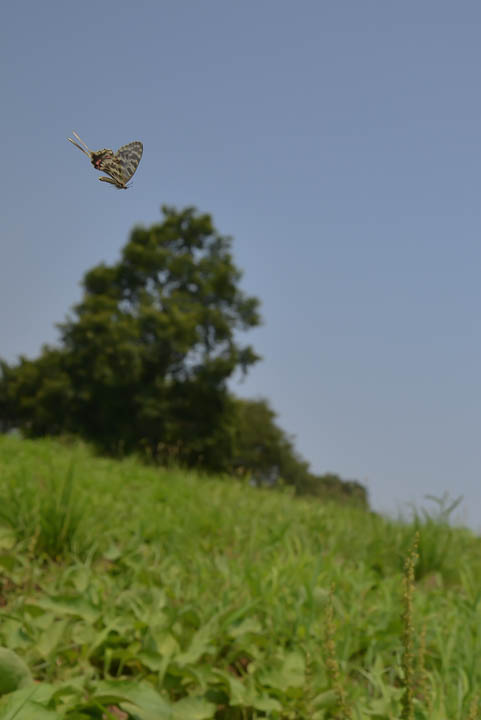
x,y
268,454
146,355
262,448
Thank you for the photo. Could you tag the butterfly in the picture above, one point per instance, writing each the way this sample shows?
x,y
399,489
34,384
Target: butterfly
x,y
120,165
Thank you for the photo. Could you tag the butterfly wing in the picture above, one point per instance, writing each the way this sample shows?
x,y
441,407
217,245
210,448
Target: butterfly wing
x,y
123,164
113,182
129,157
113,167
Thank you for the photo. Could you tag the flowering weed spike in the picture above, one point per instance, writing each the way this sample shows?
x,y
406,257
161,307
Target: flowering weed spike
x,y
120,166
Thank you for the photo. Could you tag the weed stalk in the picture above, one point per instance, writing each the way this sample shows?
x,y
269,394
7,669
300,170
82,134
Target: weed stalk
x,y
408,679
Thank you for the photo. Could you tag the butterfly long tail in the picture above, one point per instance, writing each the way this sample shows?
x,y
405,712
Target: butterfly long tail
x,y
87,150
81,142
80,148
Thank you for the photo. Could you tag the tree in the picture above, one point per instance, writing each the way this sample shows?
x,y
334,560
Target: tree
x,y
146,355
264,451
36,395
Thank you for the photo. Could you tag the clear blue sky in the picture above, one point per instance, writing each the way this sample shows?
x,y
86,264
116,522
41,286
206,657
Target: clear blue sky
x,y
339,143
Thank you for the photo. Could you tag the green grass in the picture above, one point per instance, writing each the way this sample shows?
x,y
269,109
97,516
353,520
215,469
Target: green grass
x,y
161,594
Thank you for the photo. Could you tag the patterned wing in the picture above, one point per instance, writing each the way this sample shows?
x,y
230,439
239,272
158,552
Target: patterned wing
x,y
129,157
114,182
122,165
114,168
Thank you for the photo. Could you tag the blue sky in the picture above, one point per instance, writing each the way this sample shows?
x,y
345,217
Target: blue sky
x,y
338,143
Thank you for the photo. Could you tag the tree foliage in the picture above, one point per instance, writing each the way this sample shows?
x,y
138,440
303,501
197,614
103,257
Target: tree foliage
x,y
268,454
262,448
146,355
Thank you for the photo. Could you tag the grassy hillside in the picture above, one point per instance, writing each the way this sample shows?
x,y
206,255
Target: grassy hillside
x,y
131,592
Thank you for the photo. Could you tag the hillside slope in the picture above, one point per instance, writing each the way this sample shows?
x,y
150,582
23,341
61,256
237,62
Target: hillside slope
x,y
162,594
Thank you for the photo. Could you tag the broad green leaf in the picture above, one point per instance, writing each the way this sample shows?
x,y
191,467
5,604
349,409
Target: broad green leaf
x,y
237,689
81,577
242,693
264,703
141,695
327,698
14,635
190,708
51,637
28,710
166,643
69,606
101,636
112,553
200,645
28,703
247,626
83,634
14,672
291,673
152,660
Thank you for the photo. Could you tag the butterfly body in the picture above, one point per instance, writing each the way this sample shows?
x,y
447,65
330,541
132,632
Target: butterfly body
x,y
120,165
